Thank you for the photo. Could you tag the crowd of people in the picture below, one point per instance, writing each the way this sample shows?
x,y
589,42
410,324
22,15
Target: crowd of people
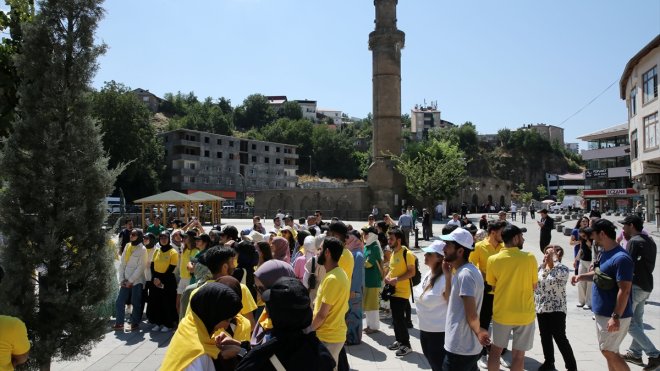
x,y
241,297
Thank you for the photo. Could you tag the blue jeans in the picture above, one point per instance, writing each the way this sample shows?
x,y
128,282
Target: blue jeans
x,y
640,342
136,301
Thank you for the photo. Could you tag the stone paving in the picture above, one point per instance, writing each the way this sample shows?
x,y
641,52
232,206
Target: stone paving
x,y
144,350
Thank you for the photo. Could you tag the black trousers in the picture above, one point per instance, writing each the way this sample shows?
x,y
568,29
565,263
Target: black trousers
x,y
553,326
457,362
398,308
426,231
544,241
433,347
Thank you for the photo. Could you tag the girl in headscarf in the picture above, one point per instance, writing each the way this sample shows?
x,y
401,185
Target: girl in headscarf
x,y
131,277
354,316
314,269
149,241
290,235
197,343
280,249
162,298
300,250
309,251
264,279
247,259
373,278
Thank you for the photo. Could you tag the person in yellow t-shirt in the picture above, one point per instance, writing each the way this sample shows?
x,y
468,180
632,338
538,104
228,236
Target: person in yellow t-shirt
x,y
339,230
331,303
400,272
479,257
513,275
199,341
189,251
14,343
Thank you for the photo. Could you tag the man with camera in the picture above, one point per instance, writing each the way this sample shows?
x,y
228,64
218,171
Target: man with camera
x,y
611,299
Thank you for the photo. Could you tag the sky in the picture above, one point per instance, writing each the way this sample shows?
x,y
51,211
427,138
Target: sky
x,y
498,64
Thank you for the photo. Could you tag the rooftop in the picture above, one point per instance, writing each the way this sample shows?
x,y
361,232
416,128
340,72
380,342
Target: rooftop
x,y
612,131
633,62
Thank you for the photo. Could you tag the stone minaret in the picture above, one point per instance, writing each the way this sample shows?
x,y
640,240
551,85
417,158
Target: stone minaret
x,y
386,42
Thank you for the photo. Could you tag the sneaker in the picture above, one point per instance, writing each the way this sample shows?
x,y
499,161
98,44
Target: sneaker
x,y
654,364
394,346
631,358
483,362
547,367
505,363
155,328
403,350
165,329
370,331
586,307
580,305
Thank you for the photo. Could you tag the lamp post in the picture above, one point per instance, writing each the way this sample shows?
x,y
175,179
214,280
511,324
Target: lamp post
x,y
244,193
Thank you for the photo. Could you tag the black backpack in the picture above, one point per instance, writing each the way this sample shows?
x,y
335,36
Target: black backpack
x,y
417,278
311,280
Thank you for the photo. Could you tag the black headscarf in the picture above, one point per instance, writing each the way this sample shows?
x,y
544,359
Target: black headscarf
x,y
215,302
139,238
166,247
152,240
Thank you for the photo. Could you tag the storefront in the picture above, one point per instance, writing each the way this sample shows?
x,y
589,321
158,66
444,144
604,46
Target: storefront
x,y
616,199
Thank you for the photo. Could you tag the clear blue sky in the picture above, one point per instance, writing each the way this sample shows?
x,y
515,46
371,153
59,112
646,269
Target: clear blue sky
x,y
496,63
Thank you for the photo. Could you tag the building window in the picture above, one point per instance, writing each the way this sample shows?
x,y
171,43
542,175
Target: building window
x,y
252,172
266,160
231,156
219,154
651,131
206,139
277,184
219,141
165,153
633,144
266,148
192,179
191,166
206,167
206,154
254,182
254,158
632,110
254,146
230,181
277,161
219,180
650,87
206,180
277,149
229,169
231,143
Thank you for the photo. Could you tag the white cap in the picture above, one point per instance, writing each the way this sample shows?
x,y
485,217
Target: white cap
x,y
461,236
436,247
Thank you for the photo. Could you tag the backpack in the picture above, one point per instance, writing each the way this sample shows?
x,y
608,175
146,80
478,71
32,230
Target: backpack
x,y
417,278
311,280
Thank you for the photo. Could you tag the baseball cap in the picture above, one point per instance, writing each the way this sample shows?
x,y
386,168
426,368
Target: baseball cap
x,y
461,236
633,220
436,247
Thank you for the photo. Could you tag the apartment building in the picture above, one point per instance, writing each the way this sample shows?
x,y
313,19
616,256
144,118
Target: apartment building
x,y
607,183
227,166
639,88
308,109
324,114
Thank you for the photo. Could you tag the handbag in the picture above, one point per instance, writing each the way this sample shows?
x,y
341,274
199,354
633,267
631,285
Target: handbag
x,y
388,292
603,281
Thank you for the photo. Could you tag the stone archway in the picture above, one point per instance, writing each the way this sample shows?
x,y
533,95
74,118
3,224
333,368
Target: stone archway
x,y
502,201
343,208
288,204
274,203
306,205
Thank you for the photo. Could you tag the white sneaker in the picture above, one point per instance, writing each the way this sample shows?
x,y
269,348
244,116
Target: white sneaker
x,y
164,329
155,328
483,362
504,363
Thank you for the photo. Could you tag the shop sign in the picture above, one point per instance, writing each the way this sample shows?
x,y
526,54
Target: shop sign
x,y
595,173
609,192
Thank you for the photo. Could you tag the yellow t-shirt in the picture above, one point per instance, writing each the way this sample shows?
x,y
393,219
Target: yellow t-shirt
x,y
185,259
334,290
247,300
162,260
13,340
346,262
398,268
513,273
482,251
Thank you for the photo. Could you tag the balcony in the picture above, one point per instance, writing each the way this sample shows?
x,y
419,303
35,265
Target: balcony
x,y
593,154
183,156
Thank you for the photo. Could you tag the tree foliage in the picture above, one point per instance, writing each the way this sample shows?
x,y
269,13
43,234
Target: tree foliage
x,y
20,12
541,191
290,110
130,139
186,111
561,193
56,175
255,112
436,171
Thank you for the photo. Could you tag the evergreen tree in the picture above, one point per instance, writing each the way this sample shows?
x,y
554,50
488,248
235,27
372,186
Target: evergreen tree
x,y
56,176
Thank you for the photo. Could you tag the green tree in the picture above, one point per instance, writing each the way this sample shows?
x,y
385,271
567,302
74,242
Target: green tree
x,y
254,112
290,110
541,191
436,172
297,132
129,138
186,111
56,177
20,12
333,154
561,193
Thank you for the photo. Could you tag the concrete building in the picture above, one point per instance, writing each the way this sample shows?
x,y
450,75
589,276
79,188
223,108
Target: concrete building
x,y
308,109
607,184
276,101
639,88
323,114
573,147
550,132
424,118
148,98
227,166
569,182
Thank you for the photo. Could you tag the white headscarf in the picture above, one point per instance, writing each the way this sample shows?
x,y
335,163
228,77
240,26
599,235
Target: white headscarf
x,y
309,246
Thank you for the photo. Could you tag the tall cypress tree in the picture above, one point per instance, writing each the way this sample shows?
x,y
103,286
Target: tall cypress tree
x,y
55,179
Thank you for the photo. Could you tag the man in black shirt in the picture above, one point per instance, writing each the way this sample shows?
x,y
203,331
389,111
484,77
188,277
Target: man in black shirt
x,y
125,235
642,249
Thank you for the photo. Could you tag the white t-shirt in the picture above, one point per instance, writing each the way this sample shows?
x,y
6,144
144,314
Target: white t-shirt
x,y
459,337
432,306
454,222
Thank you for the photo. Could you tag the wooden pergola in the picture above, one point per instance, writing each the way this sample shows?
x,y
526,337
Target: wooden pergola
x,y
189,204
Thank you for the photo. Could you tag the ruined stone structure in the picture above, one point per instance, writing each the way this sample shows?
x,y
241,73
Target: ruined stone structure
x,y
386,42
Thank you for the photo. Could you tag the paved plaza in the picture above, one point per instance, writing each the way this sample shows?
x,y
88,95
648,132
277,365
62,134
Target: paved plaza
x,y
144,350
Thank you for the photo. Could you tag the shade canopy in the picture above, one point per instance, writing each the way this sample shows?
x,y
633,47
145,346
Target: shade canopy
x,y
190,204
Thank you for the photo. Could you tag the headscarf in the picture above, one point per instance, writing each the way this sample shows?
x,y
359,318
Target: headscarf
x,y
215,302
139,238
166,247
371,237
272,270
232,283
309,247
353,243
281,247
152,240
